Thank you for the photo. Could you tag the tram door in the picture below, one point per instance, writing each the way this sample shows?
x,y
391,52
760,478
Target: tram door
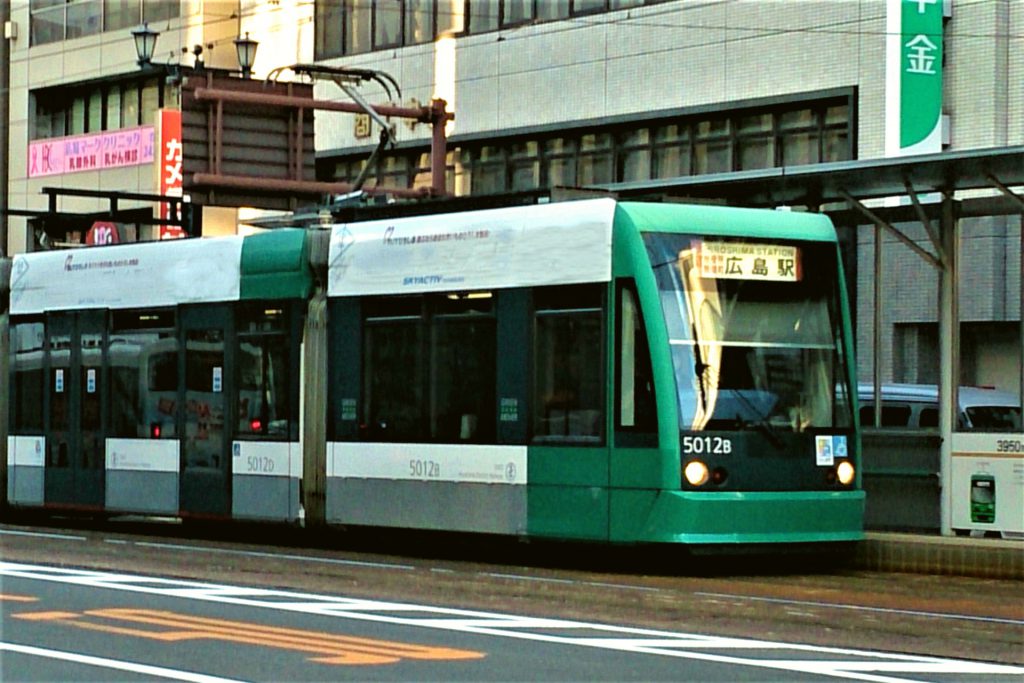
x,y
206,430
75,434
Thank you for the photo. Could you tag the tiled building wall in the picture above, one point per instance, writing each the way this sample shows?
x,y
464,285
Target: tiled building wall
x,y
694,54
665,56
990,292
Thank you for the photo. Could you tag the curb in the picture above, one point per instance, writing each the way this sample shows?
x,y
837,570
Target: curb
x,y
942,555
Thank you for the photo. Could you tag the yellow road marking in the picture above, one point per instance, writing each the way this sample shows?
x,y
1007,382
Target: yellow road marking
x,y
17,598
46,616
328,648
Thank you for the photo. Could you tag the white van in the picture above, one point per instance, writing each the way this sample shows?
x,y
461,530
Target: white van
x,y
912,406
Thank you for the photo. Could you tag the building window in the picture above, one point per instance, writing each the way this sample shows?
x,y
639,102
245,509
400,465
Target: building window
x,y
358,15
387,23
524,159
751,138
560,162
345,27
419,21
484,15
84,18
328,20
121,14
64,111
755,143
489,170
671,151
711,147
635,155
51,21
595,163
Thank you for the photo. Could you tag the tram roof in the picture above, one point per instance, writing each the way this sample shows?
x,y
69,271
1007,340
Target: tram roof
x,y
816,185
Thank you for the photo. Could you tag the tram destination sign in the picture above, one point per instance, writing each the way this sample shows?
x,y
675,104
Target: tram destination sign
x,y
749,261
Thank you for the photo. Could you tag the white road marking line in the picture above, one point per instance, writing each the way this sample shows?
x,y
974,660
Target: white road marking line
x,y
120,665
253,553
40,534
680,645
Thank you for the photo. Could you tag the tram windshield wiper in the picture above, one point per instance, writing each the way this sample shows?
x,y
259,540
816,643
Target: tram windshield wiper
x,y
700,368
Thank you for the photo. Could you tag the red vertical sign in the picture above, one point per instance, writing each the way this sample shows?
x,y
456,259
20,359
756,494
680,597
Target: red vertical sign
x,y
169,169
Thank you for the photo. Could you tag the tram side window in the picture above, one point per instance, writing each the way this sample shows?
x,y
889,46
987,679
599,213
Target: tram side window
x,y
464,370
392,372
635,380
28,379
429,371
263,401
143,357
568,371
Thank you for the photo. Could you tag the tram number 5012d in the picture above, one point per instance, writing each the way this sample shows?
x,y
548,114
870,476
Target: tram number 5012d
x,y
424,469
259,464
706,445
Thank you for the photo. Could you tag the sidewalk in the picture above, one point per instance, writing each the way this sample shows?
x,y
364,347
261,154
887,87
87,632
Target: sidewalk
x,y
988,558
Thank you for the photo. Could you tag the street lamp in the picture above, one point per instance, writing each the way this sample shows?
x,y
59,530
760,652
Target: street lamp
x,y
246,48
145,43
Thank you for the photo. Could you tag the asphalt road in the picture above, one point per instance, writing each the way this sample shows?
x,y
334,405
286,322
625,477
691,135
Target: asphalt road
x,y
300,613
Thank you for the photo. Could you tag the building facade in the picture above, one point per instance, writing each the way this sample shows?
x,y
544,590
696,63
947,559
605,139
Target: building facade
x,y
574,93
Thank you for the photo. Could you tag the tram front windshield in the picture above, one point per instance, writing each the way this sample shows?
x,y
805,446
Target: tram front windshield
x,y
753,327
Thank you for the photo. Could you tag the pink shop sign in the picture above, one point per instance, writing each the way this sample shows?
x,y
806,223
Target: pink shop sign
x,y
57,156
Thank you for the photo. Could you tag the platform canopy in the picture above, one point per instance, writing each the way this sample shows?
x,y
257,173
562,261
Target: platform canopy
x,y
817,185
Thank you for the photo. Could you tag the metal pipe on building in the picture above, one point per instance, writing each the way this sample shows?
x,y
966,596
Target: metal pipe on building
x,y
876,322
438,148
949,356
5,124
5,359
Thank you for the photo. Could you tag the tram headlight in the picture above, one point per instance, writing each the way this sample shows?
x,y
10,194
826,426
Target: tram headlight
x,y
845,472
696,473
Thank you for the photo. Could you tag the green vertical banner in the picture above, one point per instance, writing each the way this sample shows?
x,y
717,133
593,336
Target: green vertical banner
x,y
914,77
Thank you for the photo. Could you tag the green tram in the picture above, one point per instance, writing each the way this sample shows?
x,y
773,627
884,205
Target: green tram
x,y
591,370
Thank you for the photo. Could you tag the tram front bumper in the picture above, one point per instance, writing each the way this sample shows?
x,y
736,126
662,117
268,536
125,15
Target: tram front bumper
x,y
755,517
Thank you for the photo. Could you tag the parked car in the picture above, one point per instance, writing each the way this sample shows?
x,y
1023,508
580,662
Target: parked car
x,y
913,406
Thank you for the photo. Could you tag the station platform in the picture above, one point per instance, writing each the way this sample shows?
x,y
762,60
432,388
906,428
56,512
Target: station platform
x,y
990,558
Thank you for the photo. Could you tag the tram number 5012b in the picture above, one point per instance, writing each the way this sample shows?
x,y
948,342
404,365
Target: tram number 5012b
x,y
706,445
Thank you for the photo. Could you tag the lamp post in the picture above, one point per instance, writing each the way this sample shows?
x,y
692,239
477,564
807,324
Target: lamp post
x,y
246,48
145,43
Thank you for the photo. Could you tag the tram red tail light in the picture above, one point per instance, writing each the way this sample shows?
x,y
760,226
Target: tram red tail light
x,y
256,425
719,475
154,430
